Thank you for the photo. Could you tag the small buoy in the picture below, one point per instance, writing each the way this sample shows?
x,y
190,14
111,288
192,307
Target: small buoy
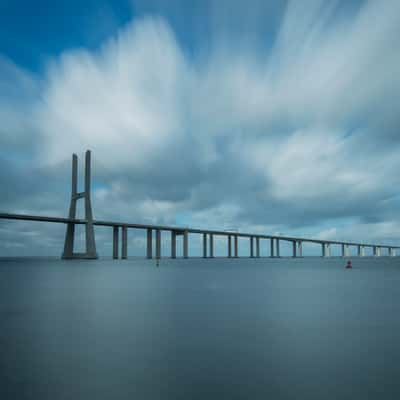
x,y
348,264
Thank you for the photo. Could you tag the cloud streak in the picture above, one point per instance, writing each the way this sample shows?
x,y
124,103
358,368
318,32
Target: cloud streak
x,y
284,139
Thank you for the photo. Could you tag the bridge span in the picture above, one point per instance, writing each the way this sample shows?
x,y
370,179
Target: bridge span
x,y
255,239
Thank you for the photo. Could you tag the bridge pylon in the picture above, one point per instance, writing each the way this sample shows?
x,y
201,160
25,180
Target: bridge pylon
x,y
89,230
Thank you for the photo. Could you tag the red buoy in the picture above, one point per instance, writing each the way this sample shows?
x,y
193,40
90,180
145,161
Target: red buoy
x,y
348,264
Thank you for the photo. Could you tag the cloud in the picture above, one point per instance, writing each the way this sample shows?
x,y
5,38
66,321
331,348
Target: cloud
x,y
281,138
18,91
123,101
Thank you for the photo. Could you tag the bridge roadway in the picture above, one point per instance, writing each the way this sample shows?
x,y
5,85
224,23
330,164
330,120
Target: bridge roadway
x,y
185,230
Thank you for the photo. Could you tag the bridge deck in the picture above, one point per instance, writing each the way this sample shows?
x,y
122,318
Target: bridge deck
x,y
40,218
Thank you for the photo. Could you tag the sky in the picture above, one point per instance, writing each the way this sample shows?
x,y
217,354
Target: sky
x,y
278,117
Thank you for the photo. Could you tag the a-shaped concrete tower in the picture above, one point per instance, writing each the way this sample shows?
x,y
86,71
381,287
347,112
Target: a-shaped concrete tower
x,y
75,196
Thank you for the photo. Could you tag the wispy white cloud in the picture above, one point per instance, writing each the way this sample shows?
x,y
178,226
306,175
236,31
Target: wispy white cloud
x,y
302,133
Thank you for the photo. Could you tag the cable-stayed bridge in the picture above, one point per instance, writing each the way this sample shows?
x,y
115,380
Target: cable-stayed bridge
x,y
256,240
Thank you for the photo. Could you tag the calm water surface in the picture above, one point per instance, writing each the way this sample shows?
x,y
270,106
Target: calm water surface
x,y
200,329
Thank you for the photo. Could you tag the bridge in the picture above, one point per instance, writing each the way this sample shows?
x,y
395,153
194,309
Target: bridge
x,y
255,240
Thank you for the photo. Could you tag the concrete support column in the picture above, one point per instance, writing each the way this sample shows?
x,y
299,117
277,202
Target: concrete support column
x,y
70,233
90,241
271,252
374,250
251,246
158,244
124,251
236,247
90,244
294,249
185,244
300,248
204,245
173,244
211,245
229,246
258,247
343,253
323,247
278,249
149,252
358,250
115,242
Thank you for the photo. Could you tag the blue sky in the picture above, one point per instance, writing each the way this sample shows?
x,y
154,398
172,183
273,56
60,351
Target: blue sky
x,y
264,116
33,32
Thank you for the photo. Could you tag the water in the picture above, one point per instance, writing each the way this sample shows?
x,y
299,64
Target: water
x,y
200,329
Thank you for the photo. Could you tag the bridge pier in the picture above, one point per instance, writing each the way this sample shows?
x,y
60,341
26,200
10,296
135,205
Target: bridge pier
x,y
158,244
149,250
271,251
278,250
211,245
300,248
236,247
323,248
204,245
115,242
173,244
328,250
251,246
124,250
257,247
229,246
185,244
294,255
